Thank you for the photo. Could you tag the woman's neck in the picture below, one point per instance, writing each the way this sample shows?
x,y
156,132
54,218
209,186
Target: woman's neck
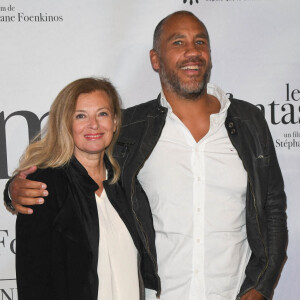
x,y
94,165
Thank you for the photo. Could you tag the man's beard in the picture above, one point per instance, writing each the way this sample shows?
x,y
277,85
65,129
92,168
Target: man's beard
x,y
188,90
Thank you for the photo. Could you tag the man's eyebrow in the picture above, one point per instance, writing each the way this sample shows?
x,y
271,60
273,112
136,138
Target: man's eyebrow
x,y
202,35
175,36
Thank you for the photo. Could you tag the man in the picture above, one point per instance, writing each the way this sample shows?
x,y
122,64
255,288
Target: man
x,y
209,169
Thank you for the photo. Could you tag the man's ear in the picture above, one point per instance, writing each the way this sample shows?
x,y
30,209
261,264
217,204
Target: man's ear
x,y
154,60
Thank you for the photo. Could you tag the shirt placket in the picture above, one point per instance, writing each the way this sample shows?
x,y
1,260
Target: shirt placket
x,y
198,167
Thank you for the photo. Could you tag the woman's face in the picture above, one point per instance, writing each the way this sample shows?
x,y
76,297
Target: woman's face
x,y
93,124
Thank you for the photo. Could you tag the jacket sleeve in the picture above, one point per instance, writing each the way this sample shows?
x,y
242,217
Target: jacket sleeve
x,y
276,220
6,196
34,244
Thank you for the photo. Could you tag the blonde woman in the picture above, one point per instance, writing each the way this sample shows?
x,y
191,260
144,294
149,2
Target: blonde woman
x,y
82,243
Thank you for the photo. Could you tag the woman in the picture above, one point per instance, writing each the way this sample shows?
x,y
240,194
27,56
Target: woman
x,y
82,243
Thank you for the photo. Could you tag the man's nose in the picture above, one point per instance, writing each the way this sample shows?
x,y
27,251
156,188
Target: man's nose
x,y
192,50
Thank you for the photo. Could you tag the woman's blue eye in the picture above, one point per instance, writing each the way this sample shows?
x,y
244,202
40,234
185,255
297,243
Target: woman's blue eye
x,y
80,116
103,113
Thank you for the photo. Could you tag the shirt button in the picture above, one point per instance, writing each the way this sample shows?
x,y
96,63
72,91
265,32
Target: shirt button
x,y
198,209
196,271
198,240
198,178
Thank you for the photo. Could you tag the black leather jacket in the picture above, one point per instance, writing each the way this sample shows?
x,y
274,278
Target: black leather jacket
x,y
265,202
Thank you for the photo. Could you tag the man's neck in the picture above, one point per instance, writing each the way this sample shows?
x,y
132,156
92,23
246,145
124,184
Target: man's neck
x,y
204,104
194,113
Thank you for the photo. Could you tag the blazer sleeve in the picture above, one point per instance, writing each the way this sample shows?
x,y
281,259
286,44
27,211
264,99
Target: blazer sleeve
x,y
34,240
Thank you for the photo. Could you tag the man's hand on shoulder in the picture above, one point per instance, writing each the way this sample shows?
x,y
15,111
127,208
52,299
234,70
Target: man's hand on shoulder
x,y
26,192
253,295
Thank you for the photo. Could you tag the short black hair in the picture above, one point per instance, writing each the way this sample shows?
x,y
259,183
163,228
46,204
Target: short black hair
x,y
159,28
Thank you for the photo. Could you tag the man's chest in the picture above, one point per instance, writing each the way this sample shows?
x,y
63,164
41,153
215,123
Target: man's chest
x,y
182,177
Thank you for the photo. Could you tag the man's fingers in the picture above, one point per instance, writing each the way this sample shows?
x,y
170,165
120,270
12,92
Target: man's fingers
x,y
252,295
32,193
25,173
24,192
18,184
23,210
28,201
25,195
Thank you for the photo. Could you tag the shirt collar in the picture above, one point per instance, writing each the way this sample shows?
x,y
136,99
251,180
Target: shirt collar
x,y
212,89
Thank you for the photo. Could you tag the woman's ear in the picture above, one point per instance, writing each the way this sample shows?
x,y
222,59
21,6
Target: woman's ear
x,y
115,124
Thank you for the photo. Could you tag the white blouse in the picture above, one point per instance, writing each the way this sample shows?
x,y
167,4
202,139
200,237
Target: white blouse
x,y
117,264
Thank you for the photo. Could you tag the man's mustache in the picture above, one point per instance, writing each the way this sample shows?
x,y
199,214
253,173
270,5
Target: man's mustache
x,y
196,59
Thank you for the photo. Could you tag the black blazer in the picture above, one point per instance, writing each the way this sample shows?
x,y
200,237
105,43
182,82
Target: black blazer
x,y
57,246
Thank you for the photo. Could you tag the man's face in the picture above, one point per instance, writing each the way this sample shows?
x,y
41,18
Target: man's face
x,y
183,61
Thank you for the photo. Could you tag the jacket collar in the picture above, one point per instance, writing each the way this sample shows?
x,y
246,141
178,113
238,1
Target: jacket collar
x,y
78,172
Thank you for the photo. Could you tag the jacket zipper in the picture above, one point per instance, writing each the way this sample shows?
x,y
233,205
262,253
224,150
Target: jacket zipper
x,y
147,241
141,226
265,250
258,226
141,283
257,221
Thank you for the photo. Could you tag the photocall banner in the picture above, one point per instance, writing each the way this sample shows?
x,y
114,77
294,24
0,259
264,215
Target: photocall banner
x,y
46,44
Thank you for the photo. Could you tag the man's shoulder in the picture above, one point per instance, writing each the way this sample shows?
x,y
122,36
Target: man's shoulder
x,y
140,112
242,104
244,110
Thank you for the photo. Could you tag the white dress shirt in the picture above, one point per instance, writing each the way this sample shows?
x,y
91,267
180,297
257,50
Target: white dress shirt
x,y
197,194
117,264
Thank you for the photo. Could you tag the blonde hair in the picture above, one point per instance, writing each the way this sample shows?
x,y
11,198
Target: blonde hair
x,y
54,147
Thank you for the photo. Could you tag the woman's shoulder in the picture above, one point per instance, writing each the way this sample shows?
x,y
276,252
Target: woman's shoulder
x,y
57,183
42,218
55,178
49,174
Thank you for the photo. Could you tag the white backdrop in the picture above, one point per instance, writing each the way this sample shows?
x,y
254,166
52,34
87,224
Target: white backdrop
x,y
46,44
